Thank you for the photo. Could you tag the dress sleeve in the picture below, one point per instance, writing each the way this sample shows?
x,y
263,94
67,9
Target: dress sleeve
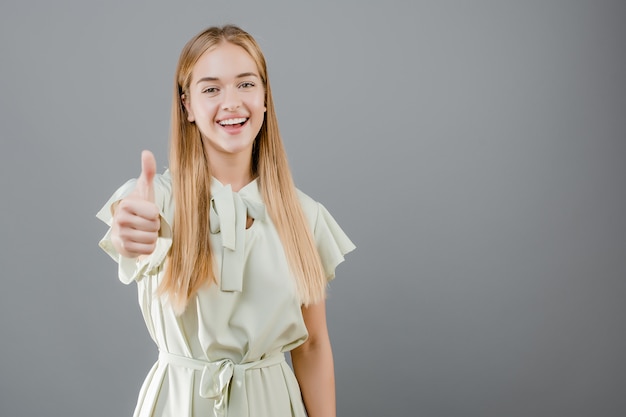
x,y
332,243
132,269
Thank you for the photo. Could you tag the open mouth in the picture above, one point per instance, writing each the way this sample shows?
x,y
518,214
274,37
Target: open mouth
x,y
234,122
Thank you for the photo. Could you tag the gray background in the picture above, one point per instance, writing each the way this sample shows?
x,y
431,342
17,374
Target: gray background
x,y
474,151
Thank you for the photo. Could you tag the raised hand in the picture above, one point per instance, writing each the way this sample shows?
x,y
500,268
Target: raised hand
x,y
136,222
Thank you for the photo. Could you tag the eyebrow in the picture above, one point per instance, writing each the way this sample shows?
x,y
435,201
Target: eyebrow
x,y
242,75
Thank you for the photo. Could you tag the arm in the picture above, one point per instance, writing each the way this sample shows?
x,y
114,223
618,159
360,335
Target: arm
x,y
313,364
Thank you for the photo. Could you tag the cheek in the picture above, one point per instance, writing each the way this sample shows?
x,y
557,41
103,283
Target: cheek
x,y
204,109
259,104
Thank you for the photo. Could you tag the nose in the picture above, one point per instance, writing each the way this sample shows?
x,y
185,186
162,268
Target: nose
x,y
232,101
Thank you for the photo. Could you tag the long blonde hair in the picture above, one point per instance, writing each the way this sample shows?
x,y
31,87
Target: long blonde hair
x,y
190,263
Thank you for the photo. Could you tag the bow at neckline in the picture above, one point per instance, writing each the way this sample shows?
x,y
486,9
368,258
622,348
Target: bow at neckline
x,y
228,216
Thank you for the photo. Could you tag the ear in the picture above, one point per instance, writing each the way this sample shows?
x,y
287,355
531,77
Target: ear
x,y
185,101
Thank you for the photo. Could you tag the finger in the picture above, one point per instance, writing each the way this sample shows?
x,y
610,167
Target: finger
x,y
131,207
145,183
131,223
131,236
135,249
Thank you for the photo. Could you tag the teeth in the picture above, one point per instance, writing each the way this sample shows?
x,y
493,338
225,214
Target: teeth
x,y
228,122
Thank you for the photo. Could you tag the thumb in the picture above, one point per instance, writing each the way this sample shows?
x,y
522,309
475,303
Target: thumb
x,y
145,183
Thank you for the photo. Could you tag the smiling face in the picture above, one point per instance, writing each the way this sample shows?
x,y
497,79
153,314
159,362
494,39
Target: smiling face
x,y
226,100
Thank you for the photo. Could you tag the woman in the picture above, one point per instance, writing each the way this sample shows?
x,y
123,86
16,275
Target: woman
x,y
236,275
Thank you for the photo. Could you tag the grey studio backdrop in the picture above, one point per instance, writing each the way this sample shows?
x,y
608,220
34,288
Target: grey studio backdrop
x,y
474,151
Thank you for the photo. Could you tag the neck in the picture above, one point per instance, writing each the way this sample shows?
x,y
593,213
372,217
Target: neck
x,y
235,170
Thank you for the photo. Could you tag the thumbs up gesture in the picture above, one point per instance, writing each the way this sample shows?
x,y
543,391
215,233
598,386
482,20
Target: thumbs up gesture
x,y
136,222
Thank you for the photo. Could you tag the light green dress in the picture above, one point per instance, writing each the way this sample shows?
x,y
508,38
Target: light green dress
x,y
224,355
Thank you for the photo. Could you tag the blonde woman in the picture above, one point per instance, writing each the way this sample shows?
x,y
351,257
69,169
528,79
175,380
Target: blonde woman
x,y
231,261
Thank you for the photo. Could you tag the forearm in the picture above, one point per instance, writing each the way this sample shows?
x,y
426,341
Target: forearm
x,y
313,366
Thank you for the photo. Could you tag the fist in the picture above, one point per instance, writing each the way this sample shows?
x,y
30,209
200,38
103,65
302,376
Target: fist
x,y
136,222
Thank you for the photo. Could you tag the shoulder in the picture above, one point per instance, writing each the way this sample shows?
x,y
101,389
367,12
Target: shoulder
x,y
163,196
310,207
163,183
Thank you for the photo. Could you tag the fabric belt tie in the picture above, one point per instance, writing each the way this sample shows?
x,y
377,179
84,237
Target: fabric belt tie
x,y
221,379
229,212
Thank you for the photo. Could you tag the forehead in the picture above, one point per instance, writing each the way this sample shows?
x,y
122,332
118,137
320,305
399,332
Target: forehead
x,y
224,61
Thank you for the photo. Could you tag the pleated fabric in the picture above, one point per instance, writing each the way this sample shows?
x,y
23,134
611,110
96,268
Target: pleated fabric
x,y
224,356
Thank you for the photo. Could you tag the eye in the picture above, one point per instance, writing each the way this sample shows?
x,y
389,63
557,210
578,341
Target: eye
x,y
210,90
246,84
